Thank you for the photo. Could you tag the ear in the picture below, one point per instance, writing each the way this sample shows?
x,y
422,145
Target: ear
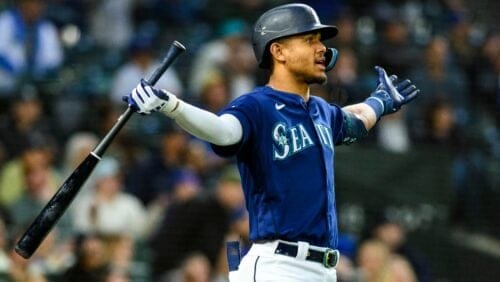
x,y
276,50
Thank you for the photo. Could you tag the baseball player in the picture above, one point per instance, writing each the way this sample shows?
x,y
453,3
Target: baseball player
x,y
284,141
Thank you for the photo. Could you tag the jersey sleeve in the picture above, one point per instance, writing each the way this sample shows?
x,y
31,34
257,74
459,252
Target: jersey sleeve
x,y
347,127
338,125
243,108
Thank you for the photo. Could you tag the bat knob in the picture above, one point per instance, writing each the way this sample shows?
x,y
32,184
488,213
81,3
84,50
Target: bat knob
x,y
20,251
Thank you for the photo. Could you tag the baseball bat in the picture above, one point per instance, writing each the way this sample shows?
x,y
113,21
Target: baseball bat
x,y
60,201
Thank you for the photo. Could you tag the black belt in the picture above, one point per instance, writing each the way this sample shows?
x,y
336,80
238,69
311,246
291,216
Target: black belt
x,y
328,257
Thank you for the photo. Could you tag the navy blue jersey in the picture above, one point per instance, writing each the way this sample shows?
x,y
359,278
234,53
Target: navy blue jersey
x,y
286,163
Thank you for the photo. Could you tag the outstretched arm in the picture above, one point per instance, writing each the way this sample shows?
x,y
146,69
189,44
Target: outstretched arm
x,y
221,130
364,113
386,99
390,95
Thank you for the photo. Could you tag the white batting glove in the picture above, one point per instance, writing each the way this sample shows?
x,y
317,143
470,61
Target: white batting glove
x,y
145,99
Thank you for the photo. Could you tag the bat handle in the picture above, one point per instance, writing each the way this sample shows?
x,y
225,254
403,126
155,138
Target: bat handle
x,y
173,52
106,141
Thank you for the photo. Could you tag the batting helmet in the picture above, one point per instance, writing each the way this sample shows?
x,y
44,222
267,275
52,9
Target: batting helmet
x,y
283,21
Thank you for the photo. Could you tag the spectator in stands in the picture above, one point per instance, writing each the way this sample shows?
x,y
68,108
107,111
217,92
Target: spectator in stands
x,y
463,45
229,54
199,225
442,80
201,160
372,259
486,85
194,268
111,22
109,210
106,258
153,178
377,263
349,39
37,158
442,128
214,92
92,261
402,256
395,50
38,190
185,185
121,252
346,38
25,119
29,44
141,63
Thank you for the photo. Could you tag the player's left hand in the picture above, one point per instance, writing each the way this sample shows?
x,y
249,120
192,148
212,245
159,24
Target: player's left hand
x,y
395,94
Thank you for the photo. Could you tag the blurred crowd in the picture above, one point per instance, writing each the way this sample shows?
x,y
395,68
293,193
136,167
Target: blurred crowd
x,y
161,205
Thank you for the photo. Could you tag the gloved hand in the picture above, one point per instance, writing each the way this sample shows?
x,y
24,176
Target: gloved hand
x,y
145,99
391,96
393,78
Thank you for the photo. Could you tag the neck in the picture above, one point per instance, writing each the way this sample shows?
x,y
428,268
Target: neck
x,y
290,84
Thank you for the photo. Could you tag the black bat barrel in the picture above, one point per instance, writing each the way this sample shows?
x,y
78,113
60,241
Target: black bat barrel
x,y
55,208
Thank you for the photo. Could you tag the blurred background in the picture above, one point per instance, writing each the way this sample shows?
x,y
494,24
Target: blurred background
x,y
418,200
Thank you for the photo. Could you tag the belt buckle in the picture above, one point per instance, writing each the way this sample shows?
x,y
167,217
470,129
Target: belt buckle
x,y
330,258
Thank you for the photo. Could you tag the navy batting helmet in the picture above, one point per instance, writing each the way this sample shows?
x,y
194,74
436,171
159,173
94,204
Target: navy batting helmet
x,y
283,21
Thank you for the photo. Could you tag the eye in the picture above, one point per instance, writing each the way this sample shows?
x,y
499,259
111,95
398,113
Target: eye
x,y
310,39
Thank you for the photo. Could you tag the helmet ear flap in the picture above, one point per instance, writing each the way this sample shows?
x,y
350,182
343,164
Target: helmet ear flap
x,y
331,56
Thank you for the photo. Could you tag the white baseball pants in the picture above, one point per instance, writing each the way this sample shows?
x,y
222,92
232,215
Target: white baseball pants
x,y
261,264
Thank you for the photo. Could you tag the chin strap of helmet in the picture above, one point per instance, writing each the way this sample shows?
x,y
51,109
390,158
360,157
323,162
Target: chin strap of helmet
x,y
331,56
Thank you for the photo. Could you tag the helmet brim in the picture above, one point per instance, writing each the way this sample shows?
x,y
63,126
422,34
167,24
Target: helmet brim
x,y
327,31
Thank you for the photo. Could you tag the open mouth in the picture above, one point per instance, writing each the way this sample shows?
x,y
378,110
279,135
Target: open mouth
x,y
320,63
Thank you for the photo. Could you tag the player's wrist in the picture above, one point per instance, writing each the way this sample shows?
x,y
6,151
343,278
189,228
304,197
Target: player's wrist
x,y
377,105
173,107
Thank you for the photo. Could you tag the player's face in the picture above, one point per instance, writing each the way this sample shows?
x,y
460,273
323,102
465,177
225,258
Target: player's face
x,y
304,57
